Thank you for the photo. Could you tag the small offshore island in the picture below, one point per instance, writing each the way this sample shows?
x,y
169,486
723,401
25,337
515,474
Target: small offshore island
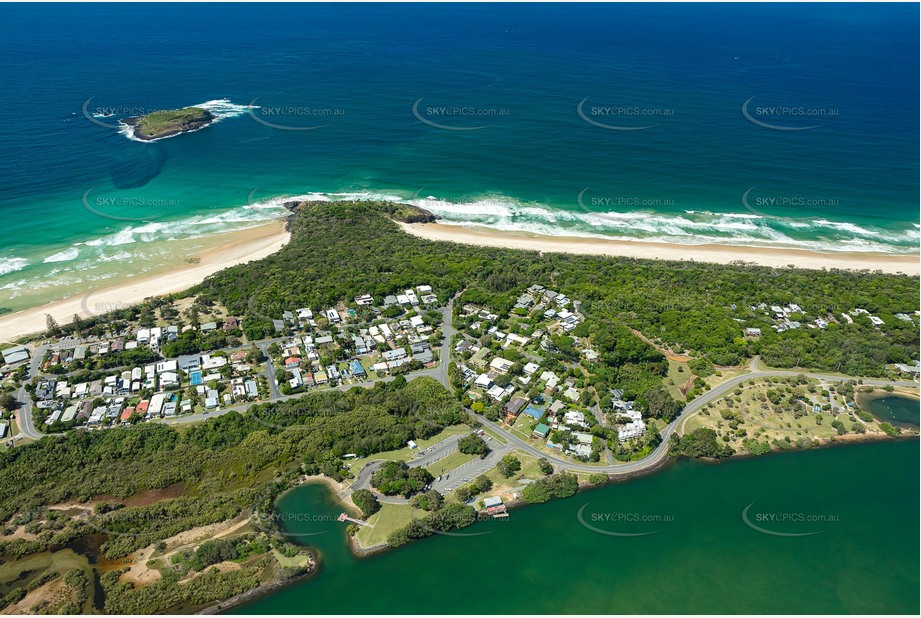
x,y
168,123
151,452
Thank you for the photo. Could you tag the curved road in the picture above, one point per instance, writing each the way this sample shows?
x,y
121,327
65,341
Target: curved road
x,y
440,373
689,410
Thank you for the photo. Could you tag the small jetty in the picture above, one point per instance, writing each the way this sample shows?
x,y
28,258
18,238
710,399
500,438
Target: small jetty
x,y
344,517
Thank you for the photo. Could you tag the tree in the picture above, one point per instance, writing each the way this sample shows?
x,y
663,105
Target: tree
x,y
508,466
366,501
556,486
51,326
429,501
472,444
660,403
702,442
545,466
8,402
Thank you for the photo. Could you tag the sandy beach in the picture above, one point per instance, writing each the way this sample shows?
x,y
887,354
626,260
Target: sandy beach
x,y
719,254
229,249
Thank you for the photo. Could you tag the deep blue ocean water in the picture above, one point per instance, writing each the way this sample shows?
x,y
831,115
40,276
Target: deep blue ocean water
x,y
622,120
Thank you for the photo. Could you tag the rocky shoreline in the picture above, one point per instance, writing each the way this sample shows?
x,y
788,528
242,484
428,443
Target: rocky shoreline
x,y
256,592
202,119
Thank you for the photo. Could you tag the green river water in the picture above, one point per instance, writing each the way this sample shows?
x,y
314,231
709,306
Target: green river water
x,y
900,411
860,502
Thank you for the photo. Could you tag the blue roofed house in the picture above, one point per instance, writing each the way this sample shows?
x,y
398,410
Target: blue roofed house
x,y
357,369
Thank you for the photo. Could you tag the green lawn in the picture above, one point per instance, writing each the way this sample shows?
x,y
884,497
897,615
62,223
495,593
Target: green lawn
x,y
406,453
391,517
501,485
452,461
677,378
765,423
496,435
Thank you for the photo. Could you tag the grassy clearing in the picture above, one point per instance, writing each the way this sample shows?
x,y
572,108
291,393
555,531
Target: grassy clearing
x,y
164,121
678,374
495,435
299,561
501,485
747,413
406,453
452,461
391,517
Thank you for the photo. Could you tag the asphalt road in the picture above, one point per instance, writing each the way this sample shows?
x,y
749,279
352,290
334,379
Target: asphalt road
x,y
440,373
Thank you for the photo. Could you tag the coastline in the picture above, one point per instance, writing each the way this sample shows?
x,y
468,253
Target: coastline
x,y
228,249
718,254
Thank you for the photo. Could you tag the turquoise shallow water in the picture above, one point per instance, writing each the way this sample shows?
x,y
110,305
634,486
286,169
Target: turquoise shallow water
x,y
493,116
700,557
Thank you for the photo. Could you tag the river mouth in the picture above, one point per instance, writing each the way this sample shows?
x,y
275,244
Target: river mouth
x,y
898,410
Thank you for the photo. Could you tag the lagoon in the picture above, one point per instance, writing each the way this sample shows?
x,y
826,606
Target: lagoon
x,y
857,503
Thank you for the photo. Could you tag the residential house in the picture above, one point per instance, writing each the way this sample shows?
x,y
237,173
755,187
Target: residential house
x,y
514,407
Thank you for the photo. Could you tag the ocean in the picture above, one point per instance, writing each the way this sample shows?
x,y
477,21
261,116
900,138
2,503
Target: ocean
x,y
762,125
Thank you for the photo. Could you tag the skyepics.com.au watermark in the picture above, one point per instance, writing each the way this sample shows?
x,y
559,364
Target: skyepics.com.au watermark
x,y
129,522
457,117
600,202
786,117
95,308
783,204
623,523
108,115
787,523
127,208
620,117
295,523
653,305
291,117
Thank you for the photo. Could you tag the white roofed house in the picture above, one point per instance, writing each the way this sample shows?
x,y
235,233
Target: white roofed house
x,y
333,316
574,418
364,299
15,354
483,381
209,362
632,429
501,365
496,392
169,365
156,405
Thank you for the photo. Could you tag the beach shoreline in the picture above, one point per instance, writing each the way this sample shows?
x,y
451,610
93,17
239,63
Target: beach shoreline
x,y
229,249
712,253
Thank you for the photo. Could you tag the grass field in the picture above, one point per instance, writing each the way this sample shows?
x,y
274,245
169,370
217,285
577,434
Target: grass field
x,y
165,121
391,517
762,420
496,435
677,378
406,453
452,461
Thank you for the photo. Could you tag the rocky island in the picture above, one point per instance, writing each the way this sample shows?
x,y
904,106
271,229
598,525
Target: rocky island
x,y
167,123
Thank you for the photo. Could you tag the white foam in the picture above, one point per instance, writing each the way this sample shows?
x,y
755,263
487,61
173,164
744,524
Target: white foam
x,y
219,108
12,264
67,255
